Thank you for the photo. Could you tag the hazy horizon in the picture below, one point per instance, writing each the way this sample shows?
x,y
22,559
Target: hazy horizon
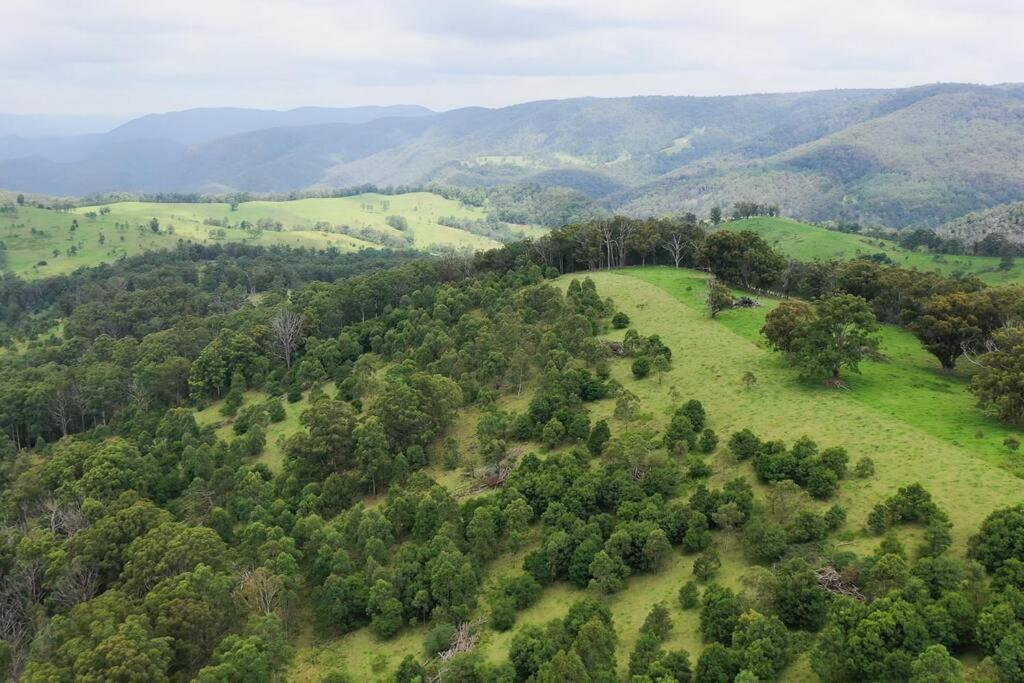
x,y
121,59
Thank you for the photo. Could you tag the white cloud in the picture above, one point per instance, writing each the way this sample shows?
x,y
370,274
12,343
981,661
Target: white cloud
x,y
133,56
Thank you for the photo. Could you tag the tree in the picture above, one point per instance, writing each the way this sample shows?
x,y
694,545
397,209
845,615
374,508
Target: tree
x,y
641,367
763,644
384,609
689,595
717,664
609,573
658,621
999,381
256,654
742,258
935,665
715,215
130,655
285,335
194,610
719,614
645,653
764,541
951,323
785,324
839,334
796,596
372,452
599,436
529,650
566,665
719,297
1009,656
154,225
1001,538
595,644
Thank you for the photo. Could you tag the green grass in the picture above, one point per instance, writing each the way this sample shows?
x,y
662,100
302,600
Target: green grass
x,y
31,236
910,387
916,423
809,243
273,453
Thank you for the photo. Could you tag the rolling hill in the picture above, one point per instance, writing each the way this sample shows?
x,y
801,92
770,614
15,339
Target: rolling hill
x,y
1005,219
914,156
931,419
811,243
40,242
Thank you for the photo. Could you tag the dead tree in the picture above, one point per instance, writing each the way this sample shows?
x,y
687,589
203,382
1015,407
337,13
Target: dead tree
x,y
831,582
465,639
285,333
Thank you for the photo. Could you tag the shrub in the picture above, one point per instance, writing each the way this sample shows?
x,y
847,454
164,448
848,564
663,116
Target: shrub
x,y
620,321
641,367
708,441
744,444
707,565
275,410
439,638
689,595
864,468
696,468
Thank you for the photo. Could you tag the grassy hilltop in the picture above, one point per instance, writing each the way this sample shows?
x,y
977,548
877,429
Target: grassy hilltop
x,y
32,235
810,243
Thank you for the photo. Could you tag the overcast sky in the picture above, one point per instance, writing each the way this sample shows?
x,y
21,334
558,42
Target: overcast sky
x,y
126,57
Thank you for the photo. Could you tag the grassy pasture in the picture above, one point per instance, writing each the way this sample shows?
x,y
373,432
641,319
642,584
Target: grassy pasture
x,y
809,243
30,236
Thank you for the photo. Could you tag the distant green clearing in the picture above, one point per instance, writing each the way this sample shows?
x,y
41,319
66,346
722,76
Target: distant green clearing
x,y
808,243
31,236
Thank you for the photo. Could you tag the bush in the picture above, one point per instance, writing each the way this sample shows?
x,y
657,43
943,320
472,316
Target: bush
x,y
689,595
744,444
503,614
864,468
764,542
439,638
275,410
620,321
708,441
696,468
294,393
641,367
707,565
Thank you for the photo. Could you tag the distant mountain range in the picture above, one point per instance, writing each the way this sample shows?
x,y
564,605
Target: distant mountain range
x,y
916,156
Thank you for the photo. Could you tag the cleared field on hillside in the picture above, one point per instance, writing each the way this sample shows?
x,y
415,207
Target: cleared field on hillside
x,y
808,243
917,424
41,242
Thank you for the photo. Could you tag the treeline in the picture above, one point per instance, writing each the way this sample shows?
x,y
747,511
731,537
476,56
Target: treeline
x,y
227,272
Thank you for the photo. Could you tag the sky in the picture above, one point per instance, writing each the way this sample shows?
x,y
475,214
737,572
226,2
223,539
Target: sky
x,y
120,58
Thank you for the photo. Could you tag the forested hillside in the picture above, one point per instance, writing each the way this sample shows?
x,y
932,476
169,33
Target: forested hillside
x,y
915,156
640,450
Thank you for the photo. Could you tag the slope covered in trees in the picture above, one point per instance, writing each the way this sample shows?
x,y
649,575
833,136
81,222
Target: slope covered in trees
x,y
495,468
916,156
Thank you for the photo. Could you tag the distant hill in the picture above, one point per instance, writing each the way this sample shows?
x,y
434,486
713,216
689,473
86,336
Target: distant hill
x,y
1005,219
178,129
200,125
909,157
